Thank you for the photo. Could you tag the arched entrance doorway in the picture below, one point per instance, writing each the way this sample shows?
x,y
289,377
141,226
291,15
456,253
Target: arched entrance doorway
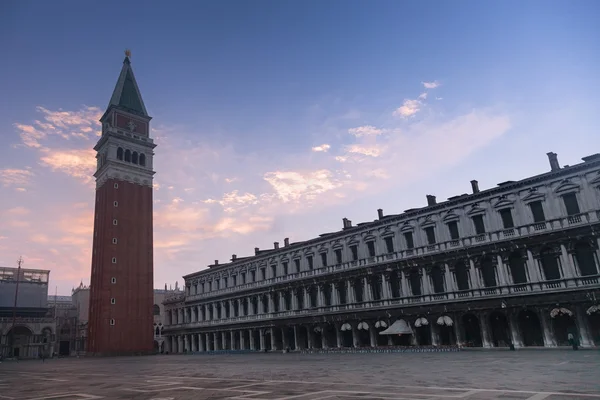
x,y
563,324
446,330
594,319
472,330
346,330
364,339
423,331
19,340
380,326
500,330
531,328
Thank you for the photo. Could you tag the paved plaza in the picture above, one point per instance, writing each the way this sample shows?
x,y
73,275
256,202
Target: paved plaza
x,y
470,375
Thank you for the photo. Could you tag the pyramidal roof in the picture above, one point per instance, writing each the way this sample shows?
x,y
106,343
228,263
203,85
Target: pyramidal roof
x,y
127,94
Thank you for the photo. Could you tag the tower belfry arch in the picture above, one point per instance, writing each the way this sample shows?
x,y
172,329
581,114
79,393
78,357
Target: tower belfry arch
x,y
121,289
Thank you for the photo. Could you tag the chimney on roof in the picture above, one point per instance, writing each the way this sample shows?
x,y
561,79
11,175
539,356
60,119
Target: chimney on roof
x,y
256,250
216,262
553,158
286,242
233,257
276,245
347,223
475,186
380,213
431,200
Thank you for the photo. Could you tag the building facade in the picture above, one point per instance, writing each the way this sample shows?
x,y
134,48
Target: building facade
x,y
517,265
27,330
121,294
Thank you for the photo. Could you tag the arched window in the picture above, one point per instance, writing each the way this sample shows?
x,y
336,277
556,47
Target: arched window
x,y
142,159
127,155
120,153
156,331
156,310
134,157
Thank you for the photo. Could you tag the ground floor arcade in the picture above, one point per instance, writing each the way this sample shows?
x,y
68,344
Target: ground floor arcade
x,y
521,327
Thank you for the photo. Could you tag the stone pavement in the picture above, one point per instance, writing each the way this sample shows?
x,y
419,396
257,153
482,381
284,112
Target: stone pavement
x,y
491,375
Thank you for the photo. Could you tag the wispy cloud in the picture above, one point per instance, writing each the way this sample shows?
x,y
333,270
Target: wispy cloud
x,y
366,130
408,108
15,177
431,85
321,148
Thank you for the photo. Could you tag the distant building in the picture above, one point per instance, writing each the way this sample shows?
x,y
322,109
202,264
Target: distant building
x,y
517,264
32,332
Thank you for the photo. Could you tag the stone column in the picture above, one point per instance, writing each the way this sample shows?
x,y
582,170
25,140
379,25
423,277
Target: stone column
x,y
448,278
404,284
567,263
515,334
433,331
355,339
232,338
284,338
186,344
294,299
426,282
273,344
194,349
501,271
310,336
368,296
350,293
201,313
373,335
485,330
338,335
323,337
547,328
262,339
251,339
208,342
585,337
460,341
216,340
474,275
224,341
532,268
201,342
242,340
335,297
215,314
385,287
296,343
320,300
306,297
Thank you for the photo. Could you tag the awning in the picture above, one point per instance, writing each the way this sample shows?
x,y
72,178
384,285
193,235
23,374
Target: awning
x,y
560,311
381,324
421,322
400,327
346,327
593,309
444,320
363,326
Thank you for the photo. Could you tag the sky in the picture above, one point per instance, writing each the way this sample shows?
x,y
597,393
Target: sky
x,y
277,119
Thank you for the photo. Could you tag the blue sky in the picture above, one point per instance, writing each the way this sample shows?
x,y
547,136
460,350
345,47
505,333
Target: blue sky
x,y
407,99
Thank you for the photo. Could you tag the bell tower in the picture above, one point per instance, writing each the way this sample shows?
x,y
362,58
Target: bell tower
x,y
121,284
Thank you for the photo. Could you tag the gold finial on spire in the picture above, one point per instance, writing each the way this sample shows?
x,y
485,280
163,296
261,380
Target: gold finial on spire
x,y
127,53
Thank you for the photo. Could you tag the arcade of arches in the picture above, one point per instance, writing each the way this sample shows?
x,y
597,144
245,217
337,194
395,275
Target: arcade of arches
x,y
22,342
523,327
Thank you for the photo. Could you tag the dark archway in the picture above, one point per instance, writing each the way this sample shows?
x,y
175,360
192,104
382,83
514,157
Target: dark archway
x,y
516,264
594,321
120,153
358,290
531,328
549,261
585,258
347,339
423,331
142,159
437,279
415,282
134,157
563,325
472,330
19,339
499,329
488,272
128,155
330,335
